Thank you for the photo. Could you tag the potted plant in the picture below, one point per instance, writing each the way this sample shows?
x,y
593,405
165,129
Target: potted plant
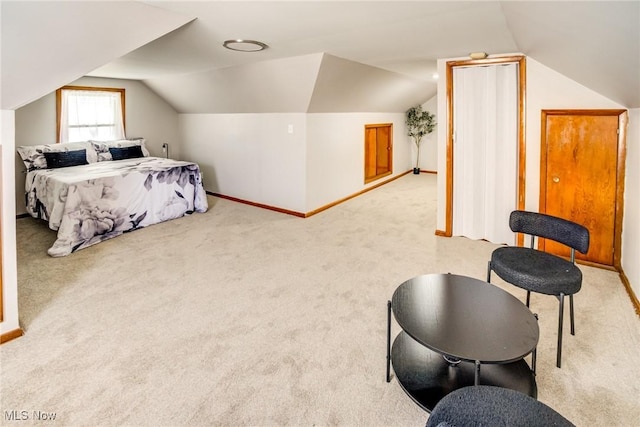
x,y
419,124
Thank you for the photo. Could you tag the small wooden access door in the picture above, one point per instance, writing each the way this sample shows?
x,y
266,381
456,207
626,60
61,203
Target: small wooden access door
x,y
582,177
378,151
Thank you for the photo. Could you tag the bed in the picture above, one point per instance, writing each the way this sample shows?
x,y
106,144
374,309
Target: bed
x,y
93,191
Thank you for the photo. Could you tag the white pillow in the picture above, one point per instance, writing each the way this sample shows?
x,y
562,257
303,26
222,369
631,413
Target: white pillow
x,y
102,147
33,157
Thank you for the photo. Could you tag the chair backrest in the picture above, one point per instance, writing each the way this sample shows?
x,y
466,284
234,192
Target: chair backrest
x,y
560,230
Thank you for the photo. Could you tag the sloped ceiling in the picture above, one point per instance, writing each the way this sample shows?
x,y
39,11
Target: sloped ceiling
x,y
344,86
317,83
596,43
45,45
276,86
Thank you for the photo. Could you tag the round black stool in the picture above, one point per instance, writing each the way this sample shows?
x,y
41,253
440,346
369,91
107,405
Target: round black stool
x,y
492,406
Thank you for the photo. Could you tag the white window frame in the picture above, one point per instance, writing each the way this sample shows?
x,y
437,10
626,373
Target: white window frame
x,y
62,115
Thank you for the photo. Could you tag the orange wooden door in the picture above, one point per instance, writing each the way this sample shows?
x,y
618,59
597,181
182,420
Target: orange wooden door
x,y
579,178
377,151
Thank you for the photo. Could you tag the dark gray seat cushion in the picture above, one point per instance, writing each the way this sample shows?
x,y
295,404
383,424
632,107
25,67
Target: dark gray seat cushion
x,y
492,406
536,271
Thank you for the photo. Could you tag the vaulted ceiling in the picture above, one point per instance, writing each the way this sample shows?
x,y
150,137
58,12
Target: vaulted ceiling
x,y
596,43
322,56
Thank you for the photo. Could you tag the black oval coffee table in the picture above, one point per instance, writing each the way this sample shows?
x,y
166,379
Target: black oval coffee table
x,y
459,331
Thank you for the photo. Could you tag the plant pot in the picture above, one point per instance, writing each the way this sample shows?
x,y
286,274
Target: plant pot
x,y
416,171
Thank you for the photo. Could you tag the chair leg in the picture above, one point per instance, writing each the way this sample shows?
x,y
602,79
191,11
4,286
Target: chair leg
x,y
573,326
489,272
534,352
388,341
528,297
560,319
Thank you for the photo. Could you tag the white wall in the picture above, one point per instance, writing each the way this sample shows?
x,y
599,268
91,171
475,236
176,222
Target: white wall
x,y
631,220
335,154
9,263
252,157
146,115
548,89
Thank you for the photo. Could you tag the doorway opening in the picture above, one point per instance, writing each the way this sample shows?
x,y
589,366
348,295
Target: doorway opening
x,y
519,140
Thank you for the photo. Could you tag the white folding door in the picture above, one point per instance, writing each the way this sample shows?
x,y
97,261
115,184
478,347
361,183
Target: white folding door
x,y
485,154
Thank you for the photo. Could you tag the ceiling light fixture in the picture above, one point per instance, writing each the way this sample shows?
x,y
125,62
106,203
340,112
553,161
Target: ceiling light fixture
x,y
241,45
478,55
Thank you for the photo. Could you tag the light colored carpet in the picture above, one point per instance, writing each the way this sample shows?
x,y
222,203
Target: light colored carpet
x,y
244,316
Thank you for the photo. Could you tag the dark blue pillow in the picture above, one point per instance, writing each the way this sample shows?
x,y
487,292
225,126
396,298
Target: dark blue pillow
x,y
63,159
122,153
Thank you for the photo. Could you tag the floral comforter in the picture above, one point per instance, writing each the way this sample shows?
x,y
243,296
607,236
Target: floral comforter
x,y
91,203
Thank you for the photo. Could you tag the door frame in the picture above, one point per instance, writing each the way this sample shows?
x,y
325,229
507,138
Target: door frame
x,y
389,150
623,120
522,85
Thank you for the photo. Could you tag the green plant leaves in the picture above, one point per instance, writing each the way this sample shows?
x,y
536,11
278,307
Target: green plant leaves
x,y
419,123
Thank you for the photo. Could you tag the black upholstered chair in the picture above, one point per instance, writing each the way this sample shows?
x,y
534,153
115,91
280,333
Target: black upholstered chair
x,y
542,272
483,405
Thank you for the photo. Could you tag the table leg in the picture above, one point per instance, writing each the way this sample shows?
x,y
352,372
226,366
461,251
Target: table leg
x,y
388,341
476,379
533,361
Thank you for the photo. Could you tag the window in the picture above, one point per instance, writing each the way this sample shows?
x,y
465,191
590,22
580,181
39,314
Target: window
x,y
85,113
